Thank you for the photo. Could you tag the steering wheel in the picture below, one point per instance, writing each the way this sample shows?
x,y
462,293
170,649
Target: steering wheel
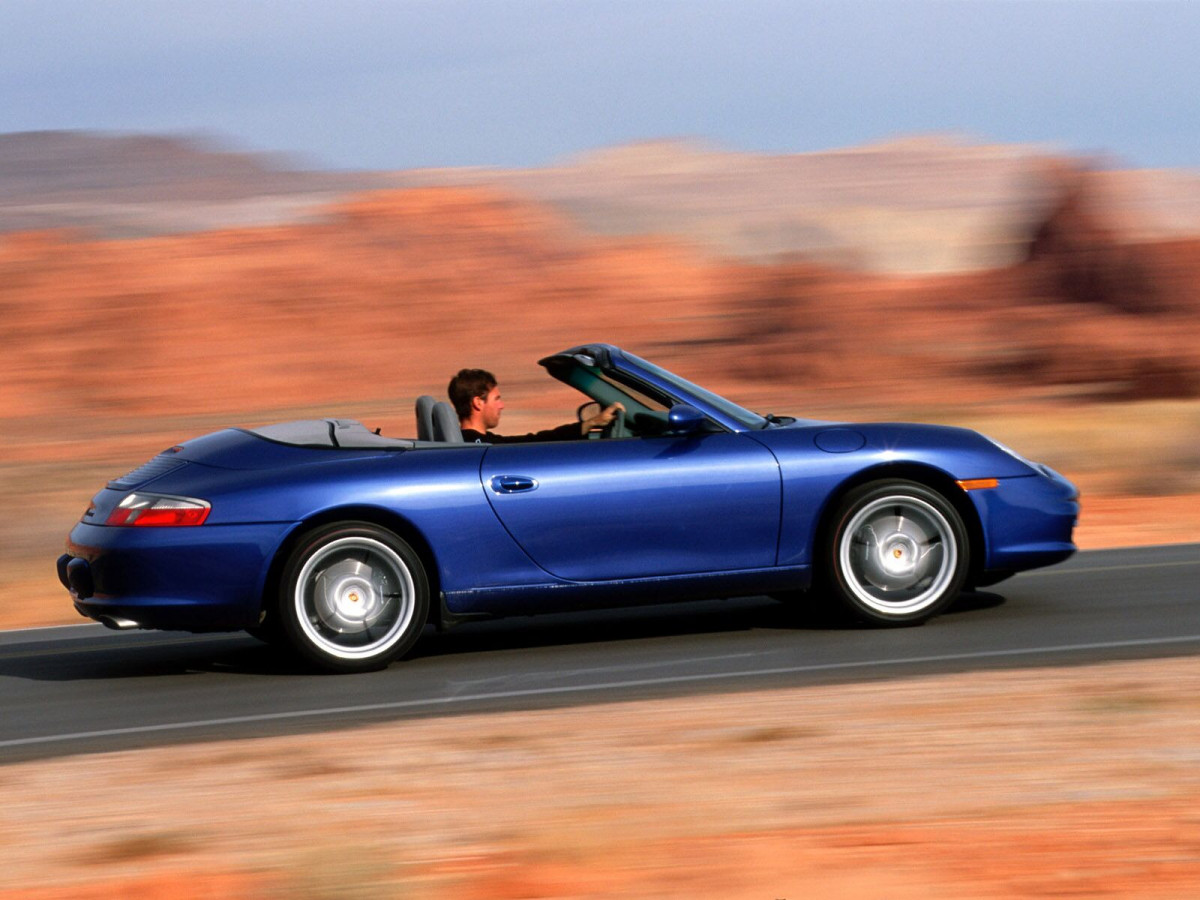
x,y
614,429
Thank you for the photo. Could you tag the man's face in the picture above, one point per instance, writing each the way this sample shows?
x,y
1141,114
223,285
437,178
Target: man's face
x,y
491,407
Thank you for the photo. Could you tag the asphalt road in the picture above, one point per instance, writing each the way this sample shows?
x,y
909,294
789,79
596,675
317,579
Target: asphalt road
x,y
83,689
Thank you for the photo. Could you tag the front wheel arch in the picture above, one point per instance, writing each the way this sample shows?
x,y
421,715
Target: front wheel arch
x,y
894,551
934,479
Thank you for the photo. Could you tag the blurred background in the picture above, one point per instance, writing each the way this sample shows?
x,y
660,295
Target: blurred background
x,y
985,214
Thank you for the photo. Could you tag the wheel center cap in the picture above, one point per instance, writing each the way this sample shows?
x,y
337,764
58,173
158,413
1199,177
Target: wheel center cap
x,y
354,601
900,557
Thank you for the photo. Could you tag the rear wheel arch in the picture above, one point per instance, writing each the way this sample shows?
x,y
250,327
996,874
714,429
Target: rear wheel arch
x,y
353,596
394,523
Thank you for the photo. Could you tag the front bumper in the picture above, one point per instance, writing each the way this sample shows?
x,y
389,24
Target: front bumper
x,y
207,578
1028,521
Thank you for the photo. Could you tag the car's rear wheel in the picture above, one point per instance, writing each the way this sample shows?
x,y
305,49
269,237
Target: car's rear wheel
x,y
353,597
897,553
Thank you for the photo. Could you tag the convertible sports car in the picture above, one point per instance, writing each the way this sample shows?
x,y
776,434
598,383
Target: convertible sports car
x,y
345,544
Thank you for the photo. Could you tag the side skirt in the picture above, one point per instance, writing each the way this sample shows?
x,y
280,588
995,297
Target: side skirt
x,y
566,596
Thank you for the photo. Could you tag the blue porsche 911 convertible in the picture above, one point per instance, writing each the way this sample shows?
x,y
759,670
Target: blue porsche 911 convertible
x,y
344,544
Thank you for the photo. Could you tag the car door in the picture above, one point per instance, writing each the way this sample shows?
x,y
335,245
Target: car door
x,y
598,510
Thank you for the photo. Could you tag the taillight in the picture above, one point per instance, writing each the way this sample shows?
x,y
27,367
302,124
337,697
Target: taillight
x,y
159,510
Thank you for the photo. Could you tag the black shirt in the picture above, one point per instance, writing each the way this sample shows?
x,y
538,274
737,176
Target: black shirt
x,y
572,431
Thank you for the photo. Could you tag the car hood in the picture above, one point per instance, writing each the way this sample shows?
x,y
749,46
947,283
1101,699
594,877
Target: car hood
x,y
954,450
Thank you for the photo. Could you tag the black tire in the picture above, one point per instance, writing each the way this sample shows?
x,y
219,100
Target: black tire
x,y
353,597
897,553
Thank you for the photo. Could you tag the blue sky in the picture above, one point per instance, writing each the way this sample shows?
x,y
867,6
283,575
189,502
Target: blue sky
x,y
388,85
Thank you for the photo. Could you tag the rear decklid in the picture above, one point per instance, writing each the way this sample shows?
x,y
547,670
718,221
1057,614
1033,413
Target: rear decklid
x,y
160,465
346,434
271,446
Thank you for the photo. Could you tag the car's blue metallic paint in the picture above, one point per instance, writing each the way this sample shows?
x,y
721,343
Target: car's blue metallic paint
x,y
812,477
1028,521
195,579
437,492
643,507
735,510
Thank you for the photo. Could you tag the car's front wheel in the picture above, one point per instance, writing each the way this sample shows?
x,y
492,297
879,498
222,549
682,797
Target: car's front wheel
x,y
353,597
897,553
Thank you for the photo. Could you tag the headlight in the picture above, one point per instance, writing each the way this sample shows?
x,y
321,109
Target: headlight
x,y
1013,453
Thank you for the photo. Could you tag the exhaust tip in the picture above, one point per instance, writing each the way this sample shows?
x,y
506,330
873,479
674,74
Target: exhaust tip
x,y
117,623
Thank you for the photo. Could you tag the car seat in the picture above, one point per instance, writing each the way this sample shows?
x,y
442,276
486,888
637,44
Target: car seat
x,y
425,405
445,424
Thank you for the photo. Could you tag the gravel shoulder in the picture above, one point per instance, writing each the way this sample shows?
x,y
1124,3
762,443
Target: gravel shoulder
x,y
1080,781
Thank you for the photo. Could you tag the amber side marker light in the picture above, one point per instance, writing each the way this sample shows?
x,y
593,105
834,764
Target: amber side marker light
x,y
979,484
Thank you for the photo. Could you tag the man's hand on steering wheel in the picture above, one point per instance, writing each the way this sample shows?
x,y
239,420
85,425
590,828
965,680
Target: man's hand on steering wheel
x,y
602,419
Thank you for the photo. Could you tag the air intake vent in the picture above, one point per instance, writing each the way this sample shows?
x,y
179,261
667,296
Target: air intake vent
x,y
160,465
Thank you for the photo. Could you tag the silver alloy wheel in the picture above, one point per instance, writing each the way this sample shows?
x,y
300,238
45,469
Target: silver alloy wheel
x,y
898,554
354,598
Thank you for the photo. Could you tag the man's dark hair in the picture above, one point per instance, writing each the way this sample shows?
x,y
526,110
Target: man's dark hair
x,y
466,385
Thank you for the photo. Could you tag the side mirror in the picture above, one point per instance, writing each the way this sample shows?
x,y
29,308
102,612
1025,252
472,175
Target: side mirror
x,y
685,419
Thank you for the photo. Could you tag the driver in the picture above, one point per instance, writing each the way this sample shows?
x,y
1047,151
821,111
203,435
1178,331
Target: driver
x,y
476,398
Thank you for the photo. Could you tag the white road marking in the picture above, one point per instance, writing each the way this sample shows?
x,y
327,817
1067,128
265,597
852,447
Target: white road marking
x,y
585,688
575,673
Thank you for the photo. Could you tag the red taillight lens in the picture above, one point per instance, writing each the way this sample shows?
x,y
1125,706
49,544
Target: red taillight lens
x,y
158,510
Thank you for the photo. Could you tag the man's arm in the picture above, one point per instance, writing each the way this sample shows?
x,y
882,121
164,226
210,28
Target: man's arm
x,y
572,431
568,432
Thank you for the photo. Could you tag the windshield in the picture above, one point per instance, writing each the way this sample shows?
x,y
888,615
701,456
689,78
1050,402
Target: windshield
x,y
732,410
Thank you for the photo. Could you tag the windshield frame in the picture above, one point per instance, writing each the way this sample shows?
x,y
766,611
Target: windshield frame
x,y
726,412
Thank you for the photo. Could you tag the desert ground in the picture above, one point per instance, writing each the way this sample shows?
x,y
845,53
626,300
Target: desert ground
x,y
1078,782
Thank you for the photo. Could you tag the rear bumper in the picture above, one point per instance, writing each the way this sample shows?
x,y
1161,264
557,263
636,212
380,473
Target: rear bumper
x,y
208,578
1028,522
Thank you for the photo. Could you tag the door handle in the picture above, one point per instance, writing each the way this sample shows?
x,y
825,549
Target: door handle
x,y
513,484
